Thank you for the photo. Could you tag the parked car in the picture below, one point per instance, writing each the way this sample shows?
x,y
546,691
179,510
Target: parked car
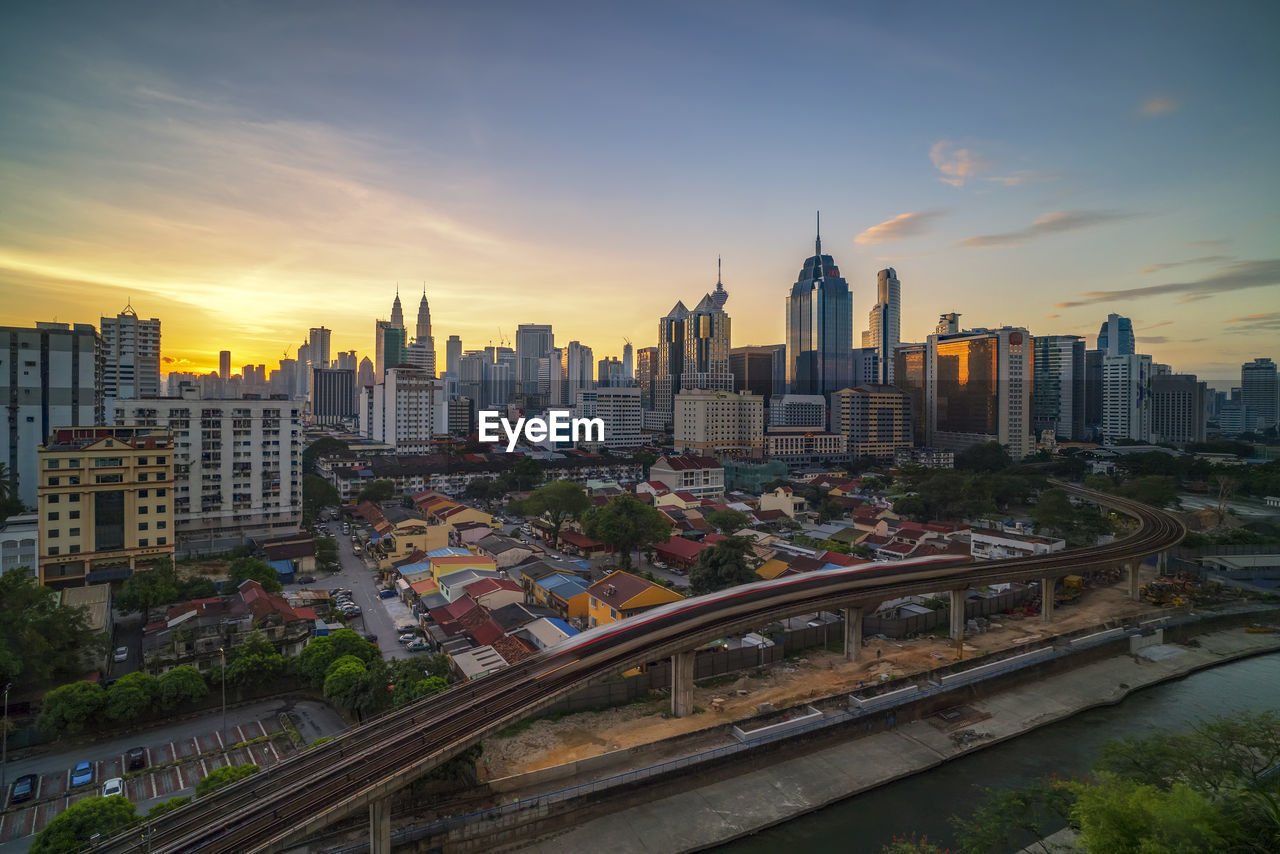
x,y
406,627
418,645
408,637
113,787
122,653
135,758
307,579
24,789
371,637
82,773
353,611
387,594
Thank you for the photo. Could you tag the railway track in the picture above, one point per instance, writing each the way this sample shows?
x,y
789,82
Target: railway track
x,y
342,777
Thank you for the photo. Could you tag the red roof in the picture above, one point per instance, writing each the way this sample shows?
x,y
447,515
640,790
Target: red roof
x,y
712,539
573,538
656,485
685,495
688,462
876,540
679,548
768,515
843,560
512,649
476,589
485,632
455,610
898,548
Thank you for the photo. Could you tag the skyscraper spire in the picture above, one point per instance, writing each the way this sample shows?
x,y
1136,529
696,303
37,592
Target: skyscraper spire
x,y
817,243
397,313
423,330
719,296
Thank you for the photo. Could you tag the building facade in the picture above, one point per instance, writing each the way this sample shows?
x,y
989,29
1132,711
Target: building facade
x,y
759,370
884,324
1126,398
875,420
719,422
1258,391
1057,398
1178,413
619,409
333,396
978,390
819,328
131,355
398,410
1115,338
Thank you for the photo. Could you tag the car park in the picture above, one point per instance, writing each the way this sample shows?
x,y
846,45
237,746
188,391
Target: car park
x,y
82,773
113,787
135,758
24,789
122,653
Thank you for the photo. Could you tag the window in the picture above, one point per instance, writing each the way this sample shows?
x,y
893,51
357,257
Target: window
x,y
73,514
53,550
142,477
160,541
73,532
53,481
142,526
52,517
73,464
160,493
53,499
142,493
142,461
53,464
142,511
74,498
160,508
53,535
74,480
142,542
159,461
75,550
162,525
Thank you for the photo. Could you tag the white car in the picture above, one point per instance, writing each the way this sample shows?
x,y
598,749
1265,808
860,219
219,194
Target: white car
x,y
114,786
122,653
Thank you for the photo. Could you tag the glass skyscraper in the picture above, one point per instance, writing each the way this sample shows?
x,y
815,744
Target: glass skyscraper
x,y
1115,338
819,328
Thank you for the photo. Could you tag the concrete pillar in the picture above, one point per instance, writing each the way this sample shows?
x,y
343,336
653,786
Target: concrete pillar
x,y
682,684
852,633
380,826
1162,563
957,614
1046,599
1132,569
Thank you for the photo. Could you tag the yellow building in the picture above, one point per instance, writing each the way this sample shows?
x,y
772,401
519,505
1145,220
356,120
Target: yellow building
x,y
875,418
105,503
620,595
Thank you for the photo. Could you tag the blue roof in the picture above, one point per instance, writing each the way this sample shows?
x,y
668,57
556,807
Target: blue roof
x,y
282,567
448,551
560,624
581,563
409,569
561,583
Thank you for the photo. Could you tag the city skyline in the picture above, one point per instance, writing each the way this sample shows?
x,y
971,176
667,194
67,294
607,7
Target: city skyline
x,y
242,185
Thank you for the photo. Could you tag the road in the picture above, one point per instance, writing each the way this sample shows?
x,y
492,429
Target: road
x,y
366,765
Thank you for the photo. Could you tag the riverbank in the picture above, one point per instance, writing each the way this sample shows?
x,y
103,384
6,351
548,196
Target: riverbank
x,y
703,816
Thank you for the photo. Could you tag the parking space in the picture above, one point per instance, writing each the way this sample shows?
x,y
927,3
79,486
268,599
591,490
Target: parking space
x,y
171,768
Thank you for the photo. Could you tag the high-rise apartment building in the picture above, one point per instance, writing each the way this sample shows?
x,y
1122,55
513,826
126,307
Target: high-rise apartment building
x,y
866,365
819,328
875,419
1115,338
398,410
422,354
50,376
333,396
131,354
1258,391
628,361
1178,413
237,471
1058,395
577,367
224,365
707,423
106,504
348,360
884,323
759,370
978,390
1126,398
798,410
619,408
611,373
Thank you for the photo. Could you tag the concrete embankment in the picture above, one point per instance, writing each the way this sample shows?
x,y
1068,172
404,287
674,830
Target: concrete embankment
x,y
695,814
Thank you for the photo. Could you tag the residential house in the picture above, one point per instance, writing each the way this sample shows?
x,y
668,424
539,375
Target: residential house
x,y
785,499
546,633
563,593
505,551
493,593
620,595
989,544
680,552
702,476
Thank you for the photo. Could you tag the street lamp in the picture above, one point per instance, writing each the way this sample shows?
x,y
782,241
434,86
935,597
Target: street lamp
x,y
222,653
4,753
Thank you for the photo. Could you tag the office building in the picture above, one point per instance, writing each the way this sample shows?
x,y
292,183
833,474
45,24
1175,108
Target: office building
x,y
422,331
1126,398
759,370
628,361
708,423
803,448
333,396
397,311
819,328
105,503
619,408
224,365
131,355
884,323
611,372
866,365
348,360
399,410
1058,392
302,377
1093,394
237,471
365,376
1178,409
422,354
1258,391
646,373
948,324
577,369
50,376
534,342
693,353
909,373
798,410
452,354
1115,338
978,390
318,339
874,419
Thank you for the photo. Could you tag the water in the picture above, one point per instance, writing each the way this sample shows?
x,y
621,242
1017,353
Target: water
x,y
923,803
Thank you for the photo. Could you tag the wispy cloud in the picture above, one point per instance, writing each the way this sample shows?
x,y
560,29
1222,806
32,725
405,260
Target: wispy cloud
x,y
1266,322
1164,339
1209,244
1155,325
1240,276
956,164
1160,105
1165,265
1023,176
900,227
1054,222
1052,316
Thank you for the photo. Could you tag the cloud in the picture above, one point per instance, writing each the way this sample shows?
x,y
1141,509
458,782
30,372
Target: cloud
x,y
1240,276
900,227
1155,325
1209,244
1054,222
1162,339
1160,105
1052,316
1266,322
1165,265
1023,176
957,165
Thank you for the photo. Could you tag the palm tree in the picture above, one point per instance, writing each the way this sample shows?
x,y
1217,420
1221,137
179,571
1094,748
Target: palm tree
x,y
6,487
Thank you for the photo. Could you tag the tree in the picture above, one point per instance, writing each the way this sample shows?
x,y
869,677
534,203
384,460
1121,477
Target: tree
x,y
182,684
132,696
912,845
254,663
70,831
726,564
343,681
167,806
247,568
911,506
557,502
415,678
1155,490
40,641
1227,486
728,521
317,494
327,554
1008,819
150,588
987,457
626,523
1117,816
66,710
320,448
224,776
313,662
378,491
526,472
196,587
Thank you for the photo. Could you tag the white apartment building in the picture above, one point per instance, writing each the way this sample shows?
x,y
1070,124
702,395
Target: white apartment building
x,y
131,354
619,409
399,411
237,471
701,476
719,422
1126,398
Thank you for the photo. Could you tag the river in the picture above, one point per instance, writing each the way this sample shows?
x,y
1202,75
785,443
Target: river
x,y
922,804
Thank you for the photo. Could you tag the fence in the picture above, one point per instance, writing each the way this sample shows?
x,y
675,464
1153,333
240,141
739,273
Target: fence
x,y
975,606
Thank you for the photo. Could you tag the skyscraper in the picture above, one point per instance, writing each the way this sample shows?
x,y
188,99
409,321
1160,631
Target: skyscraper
x,y
422,332
753,369
884,323
365,374
819,328
578,370
978,389
1115,338
1258,391
397,311
452,354
1057,399
1126,398
628,362
318,339
948,324
131,350
348,361
646,374
1177,409
693,352
224,365
909,370
533,343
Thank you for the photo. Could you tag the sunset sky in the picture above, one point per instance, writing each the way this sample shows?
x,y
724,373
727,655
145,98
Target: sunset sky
x,y
244,171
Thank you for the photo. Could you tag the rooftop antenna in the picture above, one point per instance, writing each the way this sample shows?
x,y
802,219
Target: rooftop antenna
x,y
817,244
718,282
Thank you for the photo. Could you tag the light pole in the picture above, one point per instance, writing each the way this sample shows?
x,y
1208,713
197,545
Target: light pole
x,y
4,753
222,653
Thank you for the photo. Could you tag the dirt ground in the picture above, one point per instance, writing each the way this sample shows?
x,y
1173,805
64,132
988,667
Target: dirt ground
x,y
815,673
216,568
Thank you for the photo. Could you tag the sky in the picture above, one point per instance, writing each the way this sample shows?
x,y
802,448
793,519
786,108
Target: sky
x,y
244,171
